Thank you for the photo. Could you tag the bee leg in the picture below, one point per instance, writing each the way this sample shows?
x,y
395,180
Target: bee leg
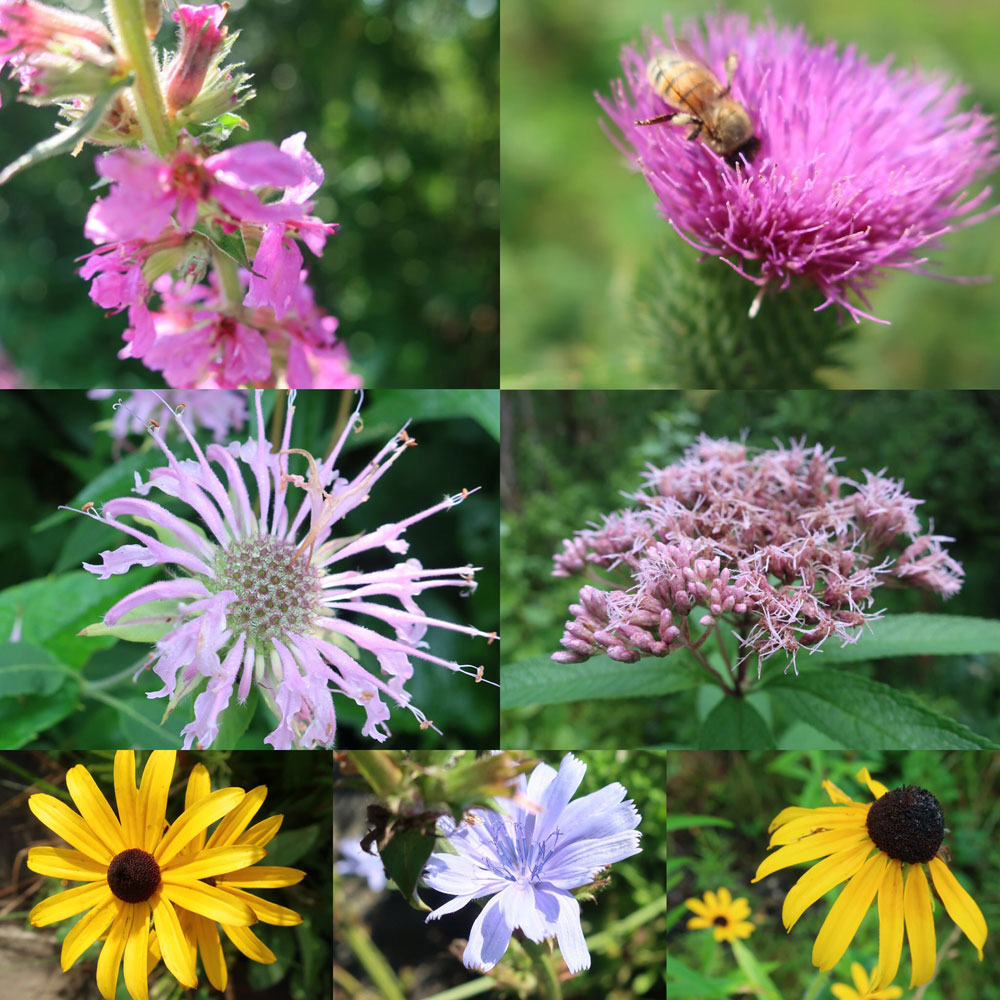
x,y
659,118
731,61
696,131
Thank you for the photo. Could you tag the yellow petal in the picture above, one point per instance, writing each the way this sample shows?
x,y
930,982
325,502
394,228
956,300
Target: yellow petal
x,y
263,832
94,808
248,943
111,954
58,816
786,815
696,906
724,895
88,929
178,954
137,952
860,977
875,787
696,923
156,778
844,992
847,913
211,952
238,820
199,786
61,863
822,819
961,907
820,879
819,845
836,795
919,925
192,821
263,877
211,861
270,913
209,901
69,903
127,796
739,909
890,925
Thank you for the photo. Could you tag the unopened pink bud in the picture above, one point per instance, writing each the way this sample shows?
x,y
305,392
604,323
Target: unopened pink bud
x,y
201,39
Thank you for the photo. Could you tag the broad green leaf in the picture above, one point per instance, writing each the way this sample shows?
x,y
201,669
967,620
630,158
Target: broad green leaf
x,y
755,971
866,715
540,681
391,410
22,718
912,635
734,724
235,721
66,138
683,821
290,845
405,856
689,983
27,669
139,718
134,625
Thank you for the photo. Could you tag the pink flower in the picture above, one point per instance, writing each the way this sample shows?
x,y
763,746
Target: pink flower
x,y
222,412
201,42
861,167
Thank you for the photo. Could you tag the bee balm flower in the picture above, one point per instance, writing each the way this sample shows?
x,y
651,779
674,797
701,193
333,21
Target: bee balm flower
x,y
263,591
861,167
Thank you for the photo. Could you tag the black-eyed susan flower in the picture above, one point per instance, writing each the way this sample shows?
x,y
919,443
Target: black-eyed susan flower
x,y
863,988
232,834
719,912
133,867
877,848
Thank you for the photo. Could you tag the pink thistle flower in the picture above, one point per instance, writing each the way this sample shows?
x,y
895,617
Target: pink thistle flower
x,y
221,411
776,546
263,592
861,167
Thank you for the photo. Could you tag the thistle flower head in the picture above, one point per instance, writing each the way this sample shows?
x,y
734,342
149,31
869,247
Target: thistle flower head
x,y
264,592
776,543
861,166
527,855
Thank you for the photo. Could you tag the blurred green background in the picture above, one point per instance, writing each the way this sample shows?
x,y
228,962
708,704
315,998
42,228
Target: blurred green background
x,y
567,457
58,443
578,225
719,808
399,102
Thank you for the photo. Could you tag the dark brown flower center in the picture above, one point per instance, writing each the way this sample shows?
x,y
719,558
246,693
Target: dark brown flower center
x,y
907,824
721,921
133,875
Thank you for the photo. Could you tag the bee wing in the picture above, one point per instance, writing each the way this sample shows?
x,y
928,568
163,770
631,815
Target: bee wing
x,y
683,48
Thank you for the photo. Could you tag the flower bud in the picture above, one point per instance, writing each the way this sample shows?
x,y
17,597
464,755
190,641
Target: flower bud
x,y
201,42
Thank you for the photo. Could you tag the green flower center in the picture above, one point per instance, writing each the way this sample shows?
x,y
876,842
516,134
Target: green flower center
x,y
133,875
907,824
277,591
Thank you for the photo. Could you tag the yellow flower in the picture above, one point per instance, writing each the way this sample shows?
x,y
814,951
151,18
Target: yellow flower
x,y
232,834
723,914
132,867
879,847
863,988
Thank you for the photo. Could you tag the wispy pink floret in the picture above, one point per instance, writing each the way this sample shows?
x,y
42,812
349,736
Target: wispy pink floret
x,y
862,167
222,411
264,590
775,547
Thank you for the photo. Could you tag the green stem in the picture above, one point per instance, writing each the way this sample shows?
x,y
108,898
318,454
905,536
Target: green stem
x,y
816,985
34,779
374,962
541,959
128,18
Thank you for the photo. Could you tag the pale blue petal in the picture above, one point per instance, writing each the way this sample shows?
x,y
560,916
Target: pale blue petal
x,y
578,863
458,875
520,908
570,935
488,938
557,793
599,814
450,907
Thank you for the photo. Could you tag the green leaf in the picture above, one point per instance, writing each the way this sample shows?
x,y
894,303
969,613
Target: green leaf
x,y
540,681
404,857
683,821
134,625
139,717
391,410
235,720
290,845
66,138
27,669
22,718
755,971
734,724
229,244
866,715
687,982
913,635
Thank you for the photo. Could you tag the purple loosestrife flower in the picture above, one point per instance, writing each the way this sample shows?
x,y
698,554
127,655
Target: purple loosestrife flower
x,y
527,856
775,546
861,167
262,590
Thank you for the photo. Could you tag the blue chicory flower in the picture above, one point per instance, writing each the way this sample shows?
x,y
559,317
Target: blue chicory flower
x,y
527,856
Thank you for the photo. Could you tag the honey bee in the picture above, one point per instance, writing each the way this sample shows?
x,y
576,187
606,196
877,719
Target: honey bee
x,y
686,83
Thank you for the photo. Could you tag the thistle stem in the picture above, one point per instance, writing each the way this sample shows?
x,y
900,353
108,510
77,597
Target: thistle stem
x,y
548,982
128,18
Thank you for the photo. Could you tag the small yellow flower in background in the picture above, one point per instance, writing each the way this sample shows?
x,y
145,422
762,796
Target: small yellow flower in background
x,y
135,867
879,847
232,833
723,914
863,988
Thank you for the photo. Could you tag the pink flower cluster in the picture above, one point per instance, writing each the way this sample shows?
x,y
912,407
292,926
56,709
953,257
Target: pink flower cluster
x,y
161,225
775,545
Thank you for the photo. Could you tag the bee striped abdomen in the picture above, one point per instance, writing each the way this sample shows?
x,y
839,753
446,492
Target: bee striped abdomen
x,y
682,83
